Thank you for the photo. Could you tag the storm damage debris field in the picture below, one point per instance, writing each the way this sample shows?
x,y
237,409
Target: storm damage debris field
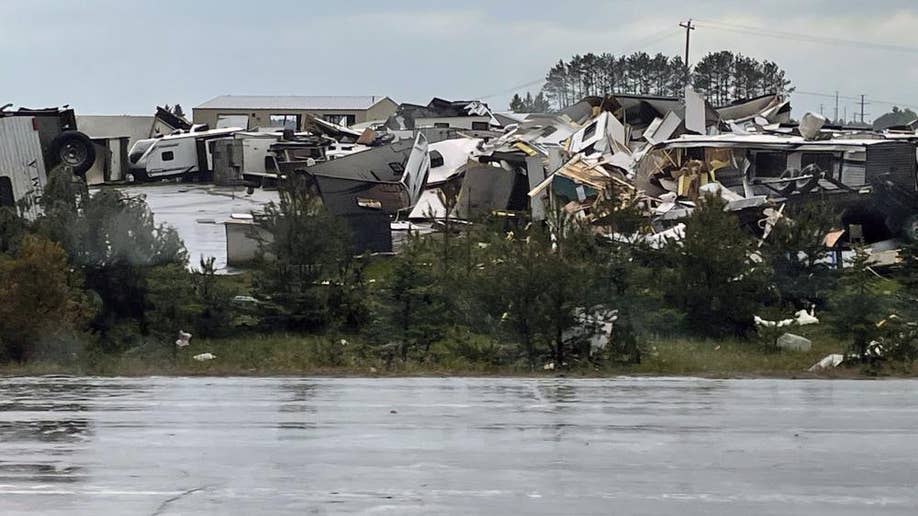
x,y
456,446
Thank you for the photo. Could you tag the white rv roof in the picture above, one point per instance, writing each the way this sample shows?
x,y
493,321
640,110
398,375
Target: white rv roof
x,y
210,132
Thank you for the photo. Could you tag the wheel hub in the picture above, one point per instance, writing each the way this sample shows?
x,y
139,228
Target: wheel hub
x,y
73,154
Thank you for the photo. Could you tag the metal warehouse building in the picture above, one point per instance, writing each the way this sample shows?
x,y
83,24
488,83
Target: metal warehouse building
x,y
287,111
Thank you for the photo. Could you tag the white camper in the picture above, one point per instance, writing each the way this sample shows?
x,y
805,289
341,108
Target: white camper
x,y
176,154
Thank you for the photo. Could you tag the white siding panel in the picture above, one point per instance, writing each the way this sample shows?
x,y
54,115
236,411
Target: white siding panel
x,y
21,158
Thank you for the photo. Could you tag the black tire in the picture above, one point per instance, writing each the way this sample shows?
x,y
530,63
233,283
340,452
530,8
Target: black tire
x,y
140,175
74,149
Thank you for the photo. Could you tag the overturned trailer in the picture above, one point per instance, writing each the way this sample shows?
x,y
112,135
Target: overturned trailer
x,y
32,143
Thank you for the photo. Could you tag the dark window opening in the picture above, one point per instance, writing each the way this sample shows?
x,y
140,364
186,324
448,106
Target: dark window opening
x,y
770,164
480,126
6,193
441,125
167,156
823,160
589,132
345,120
436,159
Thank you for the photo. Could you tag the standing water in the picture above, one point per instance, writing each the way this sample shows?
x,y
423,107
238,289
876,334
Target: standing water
x,y
457,446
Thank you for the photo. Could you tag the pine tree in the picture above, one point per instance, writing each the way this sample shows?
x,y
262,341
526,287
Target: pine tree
x,y
516,104
709,275
857,304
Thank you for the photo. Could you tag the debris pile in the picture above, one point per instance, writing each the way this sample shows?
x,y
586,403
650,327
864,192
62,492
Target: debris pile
x,y
459,159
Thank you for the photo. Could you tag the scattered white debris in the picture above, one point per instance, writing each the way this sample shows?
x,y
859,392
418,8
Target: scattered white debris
x,y
771,324
830,361
204,357
804,318
794,342
184,339
811,125
801,318
549,366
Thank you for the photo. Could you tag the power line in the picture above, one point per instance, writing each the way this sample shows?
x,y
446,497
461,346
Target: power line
x,y
855,98
808,38
639,45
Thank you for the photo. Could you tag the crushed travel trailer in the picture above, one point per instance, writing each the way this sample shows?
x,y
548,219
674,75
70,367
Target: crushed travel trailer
x,y
366,188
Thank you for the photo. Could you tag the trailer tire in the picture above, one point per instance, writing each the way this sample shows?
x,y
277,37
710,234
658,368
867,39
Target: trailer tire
x,y
140,175
75,150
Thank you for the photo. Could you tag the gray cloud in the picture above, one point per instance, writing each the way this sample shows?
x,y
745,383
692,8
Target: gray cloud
x,y
105,56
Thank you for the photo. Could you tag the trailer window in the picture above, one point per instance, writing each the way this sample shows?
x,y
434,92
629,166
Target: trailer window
x,y
167,156
345,120
291,122
6,193
824,160
770,164
480,126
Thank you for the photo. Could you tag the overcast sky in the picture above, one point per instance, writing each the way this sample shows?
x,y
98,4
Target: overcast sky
x,y
126,56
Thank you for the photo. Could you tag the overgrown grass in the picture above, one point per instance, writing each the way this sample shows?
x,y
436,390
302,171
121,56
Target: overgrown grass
x,y
285,354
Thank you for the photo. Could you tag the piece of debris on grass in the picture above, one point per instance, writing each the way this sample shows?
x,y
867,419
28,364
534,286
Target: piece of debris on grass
x,y
828,362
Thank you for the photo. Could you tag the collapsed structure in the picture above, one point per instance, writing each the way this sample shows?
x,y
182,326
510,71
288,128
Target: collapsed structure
x,y
659,153
459,159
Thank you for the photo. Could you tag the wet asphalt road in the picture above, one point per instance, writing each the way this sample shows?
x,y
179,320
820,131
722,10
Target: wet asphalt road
x,y
457,446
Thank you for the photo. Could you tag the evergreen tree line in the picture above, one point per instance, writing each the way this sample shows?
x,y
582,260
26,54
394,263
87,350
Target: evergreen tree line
x,y
515,292
722,77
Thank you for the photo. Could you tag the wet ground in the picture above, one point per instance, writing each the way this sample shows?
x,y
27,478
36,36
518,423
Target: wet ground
x,y
197,212
457,446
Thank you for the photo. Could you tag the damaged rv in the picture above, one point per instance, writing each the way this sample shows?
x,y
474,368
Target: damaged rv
x,y
367,188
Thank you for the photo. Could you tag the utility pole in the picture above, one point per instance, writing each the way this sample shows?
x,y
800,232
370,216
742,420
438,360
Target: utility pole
x,y
836,107
862,108
688,34
820,109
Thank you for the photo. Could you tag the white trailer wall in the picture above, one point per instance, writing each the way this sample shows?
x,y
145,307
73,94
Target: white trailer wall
x,y
21,158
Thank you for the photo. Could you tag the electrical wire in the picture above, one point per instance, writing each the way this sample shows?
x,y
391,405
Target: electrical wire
x,y
806,38
847,97
639,45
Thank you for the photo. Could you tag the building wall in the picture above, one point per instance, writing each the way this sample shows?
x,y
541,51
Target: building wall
x,y
262,117
135,127
381,110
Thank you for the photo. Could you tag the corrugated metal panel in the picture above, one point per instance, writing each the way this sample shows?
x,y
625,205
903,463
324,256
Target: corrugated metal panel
x,y
21,158
894,161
